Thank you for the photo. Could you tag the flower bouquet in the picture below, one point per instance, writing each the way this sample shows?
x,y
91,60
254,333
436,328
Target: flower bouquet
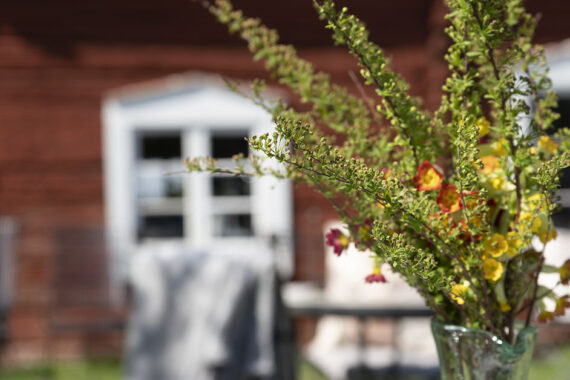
x,y
458,202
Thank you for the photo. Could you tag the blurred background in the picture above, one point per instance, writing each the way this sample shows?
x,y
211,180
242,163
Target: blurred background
x,y
107,262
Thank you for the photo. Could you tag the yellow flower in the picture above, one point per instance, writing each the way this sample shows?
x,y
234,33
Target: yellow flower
x,y
527,218
547,145
515,243
536,201
552,234
532,150
504,305
483,124
497,183
492,269
497,245
456,291
499,147
489,164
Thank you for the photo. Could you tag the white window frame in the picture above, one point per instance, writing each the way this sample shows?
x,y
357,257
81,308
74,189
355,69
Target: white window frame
x,y
198,108
558,58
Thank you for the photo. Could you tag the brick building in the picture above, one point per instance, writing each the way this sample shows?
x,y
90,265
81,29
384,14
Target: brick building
x,y
60,60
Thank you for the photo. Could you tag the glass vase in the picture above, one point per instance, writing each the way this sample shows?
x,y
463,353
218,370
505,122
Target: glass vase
x,y
473,354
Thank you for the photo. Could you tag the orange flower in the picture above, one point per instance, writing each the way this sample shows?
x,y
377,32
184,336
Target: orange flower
x,y
428,177
449,199
489,164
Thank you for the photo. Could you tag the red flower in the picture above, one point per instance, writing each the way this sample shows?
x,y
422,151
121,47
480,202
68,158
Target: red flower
x,y
375,277
427,178
449,199
337,240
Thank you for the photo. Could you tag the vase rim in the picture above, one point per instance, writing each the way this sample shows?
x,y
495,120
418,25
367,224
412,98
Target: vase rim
x,y
519,341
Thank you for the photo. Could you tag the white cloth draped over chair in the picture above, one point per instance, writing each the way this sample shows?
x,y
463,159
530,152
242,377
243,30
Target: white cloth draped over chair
x,y
200,316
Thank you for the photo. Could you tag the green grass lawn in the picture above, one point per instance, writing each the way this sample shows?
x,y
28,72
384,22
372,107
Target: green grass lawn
x,y
552,366
83,370
555,365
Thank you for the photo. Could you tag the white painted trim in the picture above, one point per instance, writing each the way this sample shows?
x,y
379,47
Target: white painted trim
x,y
200,223
558,58
196,109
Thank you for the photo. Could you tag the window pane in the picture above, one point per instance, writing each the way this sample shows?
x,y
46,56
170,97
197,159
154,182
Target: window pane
x,y
565,178
233,225
225,146
161,226
151,185
230,186
174,187
564,110
160,146
561,218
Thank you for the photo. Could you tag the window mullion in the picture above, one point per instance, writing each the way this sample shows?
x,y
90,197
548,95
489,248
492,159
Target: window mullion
x,y
197,208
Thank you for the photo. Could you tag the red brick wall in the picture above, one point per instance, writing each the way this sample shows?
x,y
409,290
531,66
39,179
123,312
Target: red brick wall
x,y
57,61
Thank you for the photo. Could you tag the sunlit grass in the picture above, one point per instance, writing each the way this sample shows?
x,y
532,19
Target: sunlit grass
x,y
551,366
81,370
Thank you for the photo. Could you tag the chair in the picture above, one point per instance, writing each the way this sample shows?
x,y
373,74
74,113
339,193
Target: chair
x,y
200,316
